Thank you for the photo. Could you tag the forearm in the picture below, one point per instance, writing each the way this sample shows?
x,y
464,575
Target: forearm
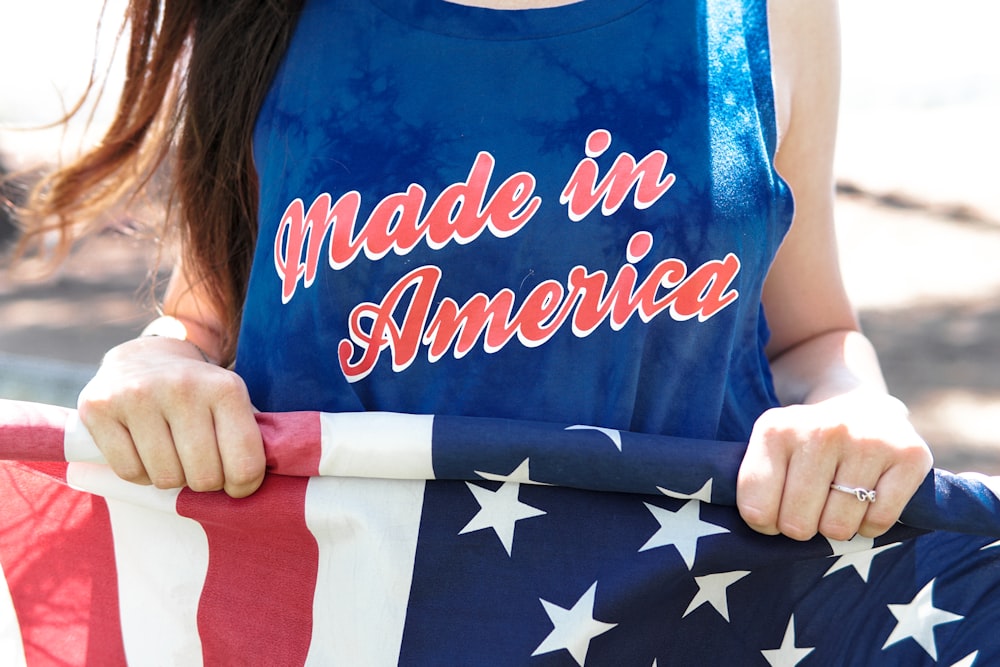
x,y
825,366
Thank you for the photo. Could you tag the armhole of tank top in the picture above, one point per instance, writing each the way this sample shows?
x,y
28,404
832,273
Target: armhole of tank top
x,y
767,80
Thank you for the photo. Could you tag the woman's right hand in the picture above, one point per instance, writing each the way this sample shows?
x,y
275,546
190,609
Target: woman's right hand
x,y
162,415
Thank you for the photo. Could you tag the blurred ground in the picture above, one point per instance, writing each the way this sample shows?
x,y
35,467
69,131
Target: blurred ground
x,y
919,213
918,220
100,297
928,291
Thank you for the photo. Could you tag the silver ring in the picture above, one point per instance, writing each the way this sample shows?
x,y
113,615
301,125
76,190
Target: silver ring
x,y
864,495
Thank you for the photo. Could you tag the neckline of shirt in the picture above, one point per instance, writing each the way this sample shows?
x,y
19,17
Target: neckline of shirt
x,y
463,21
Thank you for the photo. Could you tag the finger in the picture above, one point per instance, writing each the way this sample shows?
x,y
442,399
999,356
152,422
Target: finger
x,y
115,444
894,490
194,438
155,446
807,489
844,511
241,449
760,481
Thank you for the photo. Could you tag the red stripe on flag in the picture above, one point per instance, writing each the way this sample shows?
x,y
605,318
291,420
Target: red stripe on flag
x,y
293,442
58,556
256,606
31,431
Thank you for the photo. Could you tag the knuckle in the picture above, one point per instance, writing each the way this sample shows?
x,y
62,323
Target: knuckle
x,y
758,518
228,388
88,407
880,520
838,432
767,426
182,387
917,457
131,472
871,529
208,482
167,480
774,437
244,474
243,454
93,408
230,382
139,392
837,530
240,491
796,529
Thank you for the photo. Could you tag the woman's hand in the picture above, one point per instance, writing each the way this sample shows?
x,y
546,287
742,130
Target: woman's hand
x,y
840,426
162,415
859,439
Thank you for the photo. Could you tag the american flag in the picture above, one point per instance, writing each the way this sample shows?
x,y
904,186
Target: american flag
x,y
383,539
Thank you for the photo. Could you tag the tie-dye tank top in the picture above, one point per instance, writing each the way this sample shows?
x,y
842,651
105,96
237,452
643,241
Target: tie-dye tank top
x,y
557,214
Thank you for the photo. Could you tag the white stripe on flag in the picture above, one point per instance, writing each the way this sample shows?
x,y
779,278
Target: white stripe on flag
x,y
77,443
382,445
161,559
11,646
366,530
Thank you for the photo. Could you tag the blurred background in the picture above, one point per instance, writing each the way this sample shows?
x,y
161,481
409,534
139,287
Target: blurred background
x,y
918,210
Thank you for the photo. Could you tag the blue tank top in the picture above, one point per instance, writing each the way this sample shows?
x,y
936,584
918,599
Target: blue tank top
x,y
559,214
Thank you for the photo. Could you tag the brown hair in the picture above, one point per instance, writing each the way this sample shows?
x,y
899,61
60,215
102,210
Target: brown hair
x,y
196,75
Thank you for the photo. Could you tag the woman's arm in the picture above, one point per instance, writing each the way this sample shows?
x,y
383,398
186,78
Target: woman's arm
x,y
840,424
163,413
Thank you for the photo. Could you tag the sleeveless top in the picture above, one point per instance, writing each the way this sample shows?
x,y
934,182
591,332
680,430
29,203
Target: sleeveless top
x,y
556,214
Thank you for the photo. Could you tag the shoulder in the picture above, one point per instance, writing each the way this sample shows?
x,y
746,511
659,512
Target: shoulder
x,y
805,57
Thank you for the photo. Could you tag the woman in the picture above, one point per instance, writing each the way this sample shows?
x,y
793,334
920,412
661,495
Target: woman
x,y
529,302
578,213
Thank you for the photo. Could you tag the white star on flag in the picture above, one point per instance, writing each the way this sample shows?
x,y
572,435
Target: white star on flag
x,y
917,620
682,529
968,660
857,553
521,474
499,510
855,544
788,654
704,493
614,435
712,589
573,629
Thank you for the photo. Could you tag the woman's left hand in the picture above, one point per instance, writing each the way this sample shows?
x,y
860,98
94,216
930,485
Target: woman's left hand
x,y
840,425
858,440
